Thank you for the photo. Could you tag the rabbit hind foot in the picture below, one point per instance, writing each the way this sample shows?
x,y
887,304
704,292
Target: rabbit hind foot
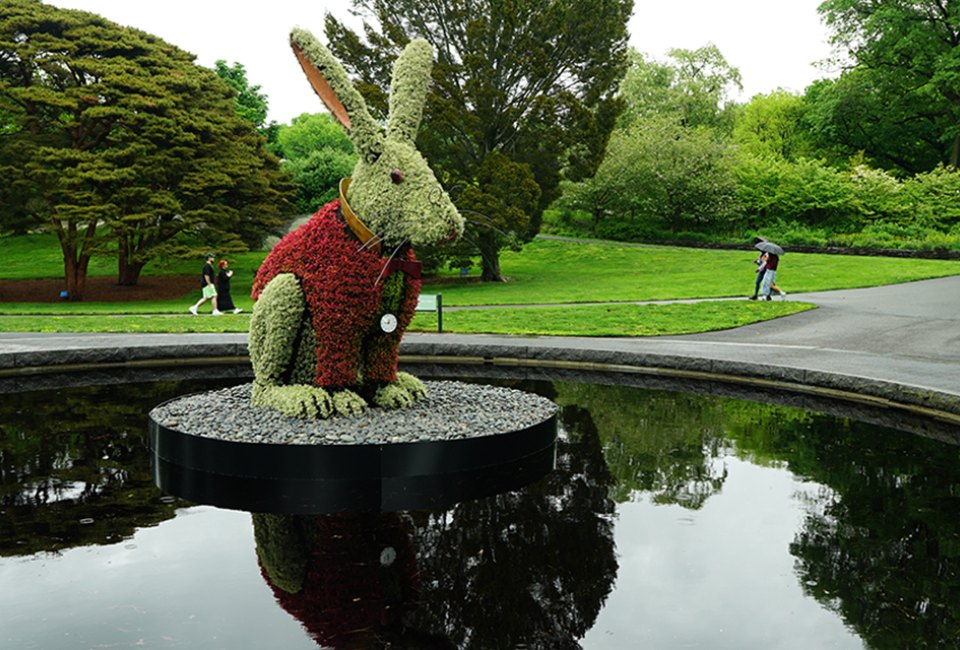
x,y
406,390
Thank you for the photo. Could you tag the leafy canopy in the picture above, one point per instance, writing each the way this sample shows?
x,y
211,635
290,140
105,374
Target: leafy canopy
x,y
773,125
900,103
252,105
317,153
659,177
694,87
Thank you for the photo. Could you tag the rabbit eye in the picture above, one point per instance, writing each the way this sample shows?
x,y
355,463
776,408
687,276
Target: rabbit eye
x,y
396,176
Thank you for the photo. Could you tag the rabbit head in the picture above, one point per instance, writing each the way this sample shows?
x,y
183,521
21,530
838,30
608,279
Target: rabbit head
x,y
394,192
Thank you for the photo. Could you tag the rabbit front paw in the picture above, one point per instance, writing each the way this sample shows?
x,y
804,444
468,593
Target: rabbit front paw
x,y
298,400
405,391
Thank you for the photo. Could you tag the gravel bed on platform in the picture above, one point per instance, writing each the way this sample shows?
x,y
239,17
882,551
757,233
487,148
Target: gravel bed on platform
x,y
452,410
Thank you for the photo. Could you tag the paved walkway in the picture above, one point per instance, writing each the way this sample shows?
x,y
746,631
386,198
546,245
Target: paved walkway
x,y
897,344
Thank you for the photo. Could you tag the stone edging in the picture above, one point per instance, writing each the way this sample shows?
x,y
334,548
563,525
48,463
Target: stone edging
x,y
884,394
924,401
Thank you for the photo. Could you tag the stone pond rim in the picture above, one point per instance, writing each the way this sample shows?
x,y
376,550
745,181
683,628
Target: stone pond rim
x,y
56,359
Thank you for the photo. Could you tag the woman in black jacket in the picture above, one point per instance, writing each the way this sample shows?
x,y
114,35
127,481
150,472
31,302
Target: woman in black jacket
x,y
224,299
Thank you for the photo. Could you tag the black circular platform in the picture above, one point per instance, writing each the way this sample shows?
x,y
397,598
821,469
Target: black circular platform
x,y
327,478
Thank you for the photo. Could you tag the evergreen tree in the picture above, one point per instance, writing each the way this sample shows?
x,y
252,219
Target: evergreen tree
x,y
121,140
532,82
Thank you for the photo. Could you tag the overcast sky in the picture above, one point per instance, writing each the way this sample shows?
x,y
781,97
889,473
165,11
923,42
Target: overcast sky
x,y
774,44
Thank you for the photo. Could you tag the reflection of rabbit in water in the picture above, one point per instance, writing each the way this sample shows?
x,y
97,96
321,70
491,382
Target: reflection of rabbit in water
x,y
350,578
335,295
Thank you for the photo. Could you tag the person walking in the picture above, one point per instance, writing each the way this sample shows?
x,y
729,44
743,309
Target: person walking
x,y
208,284
769,282
761,263
224,299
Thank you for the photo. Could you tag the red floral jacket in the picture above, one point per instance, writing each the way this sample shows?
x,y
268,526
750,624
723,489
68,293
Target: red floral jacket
x,y
343,285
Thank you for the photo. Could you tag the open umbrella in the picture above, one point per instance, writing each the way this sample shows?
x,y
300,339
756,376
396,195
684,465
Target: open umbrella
x,y
769,247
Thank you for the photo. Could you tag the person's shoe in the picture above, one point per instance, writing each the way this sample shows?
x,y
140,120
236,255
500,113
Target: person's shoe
x,y
193,310
217,312
237,310
783,294
768,297
752,298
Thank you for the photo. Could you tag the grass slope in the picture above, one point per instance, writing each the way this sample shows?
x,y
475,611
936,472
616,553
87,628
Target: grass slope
x,y
548,271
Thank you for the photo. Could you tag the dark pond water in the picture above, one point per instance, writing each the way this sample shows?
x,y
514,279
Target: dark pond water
x,y
673,520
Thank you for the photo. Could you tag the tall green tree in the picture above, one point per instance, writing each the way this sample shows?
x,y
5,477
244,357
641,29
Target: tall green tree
x,y
123,144
901,102
870,112
694,87
533,81
317,153
251,104
773,125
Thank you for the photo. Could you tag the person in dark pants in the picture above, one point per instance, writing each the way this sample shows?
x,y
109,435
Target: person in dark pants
x,y
761,263
224,299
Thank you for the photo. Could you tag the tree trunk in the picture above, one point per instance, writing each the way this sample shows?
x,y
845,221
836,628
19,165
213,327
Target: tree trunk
x,y
74,271
76,258
129,275
128,271
676,220
597,217
490,259
72,277
955,153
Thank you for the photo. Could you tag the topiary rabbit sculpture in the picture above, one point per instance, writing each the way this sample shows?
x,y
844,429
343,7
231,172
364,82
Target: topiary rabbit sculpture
x,y
335,296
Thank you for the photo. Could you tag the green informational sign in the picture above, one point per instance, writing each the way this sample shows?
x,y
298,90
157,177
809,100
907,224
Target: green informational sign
x,y
427,302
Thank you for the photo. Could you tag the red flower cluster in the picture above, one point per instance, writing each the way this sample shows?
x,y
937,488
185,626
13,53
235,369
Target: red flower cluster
x,y
343,289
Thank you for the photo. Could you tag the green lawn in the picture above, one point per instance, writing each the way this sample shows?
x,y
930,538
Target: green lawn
x,y
611,320
545,272
592,320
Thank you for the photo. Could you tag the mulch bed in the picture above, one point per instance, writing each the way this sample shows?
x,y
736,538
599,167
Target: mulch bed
x,y
103,289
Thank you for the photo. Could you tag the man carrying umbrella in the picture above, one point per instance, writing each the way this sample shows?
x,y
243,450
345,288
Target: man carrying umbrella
x,y
774,253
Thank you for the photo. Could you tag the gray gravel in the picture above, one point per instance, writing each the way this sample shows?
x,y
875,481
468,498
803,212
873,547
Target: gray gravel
x,y
451,410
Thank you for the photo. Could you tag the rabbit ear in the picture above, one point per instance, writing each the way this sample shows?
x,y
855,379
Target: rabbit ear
x,y
408,89
331,83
